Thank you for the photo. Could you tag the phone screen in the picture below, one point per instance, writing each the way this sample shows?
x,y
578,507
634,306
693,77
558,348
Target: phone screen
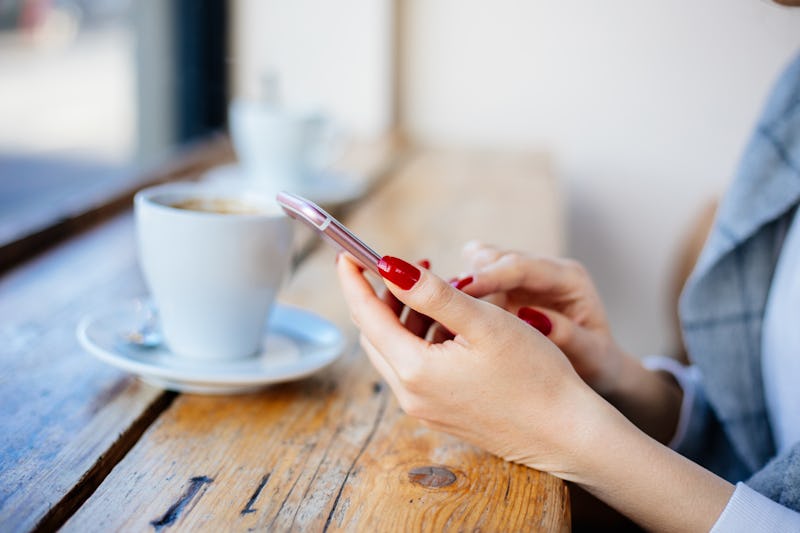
x,y
333,231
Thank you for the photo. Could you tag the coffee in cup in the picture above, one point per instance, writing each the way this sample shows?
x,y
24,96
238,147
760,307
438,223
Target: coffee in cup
x,y
222,206
214,261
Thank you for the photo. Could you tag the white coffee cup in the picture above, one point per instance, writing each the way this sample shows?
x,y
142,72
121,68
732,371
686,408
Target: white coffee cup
x,y
280,149
213,275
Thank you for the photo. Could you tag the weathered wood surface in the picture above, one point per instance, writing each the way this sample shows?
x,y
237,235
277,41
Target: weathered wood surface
x,y
65,418
334,451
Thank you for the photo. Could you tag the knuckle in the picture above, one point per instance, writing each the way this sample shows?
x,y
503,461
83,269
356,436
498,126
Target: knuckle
x,y
575,268
411,374
514,257
411,405
438,297
575,273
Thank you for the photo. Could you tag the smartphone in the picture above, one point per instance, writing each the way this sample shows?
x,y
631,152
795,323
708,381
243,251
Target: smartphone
x,y
329,228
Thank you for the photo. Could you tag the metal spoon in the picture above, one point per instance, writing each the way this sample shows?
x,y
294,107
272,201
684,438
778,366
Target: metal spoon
x,y
148,334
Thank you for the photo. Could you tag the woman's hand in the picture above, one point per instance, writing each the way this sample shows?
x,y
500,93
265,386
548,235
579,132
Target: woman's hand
x,y
558,297
498,383
505,387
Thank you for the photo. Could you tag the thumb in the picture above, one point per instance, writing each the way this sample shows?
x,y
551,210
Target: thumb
x,y
430,295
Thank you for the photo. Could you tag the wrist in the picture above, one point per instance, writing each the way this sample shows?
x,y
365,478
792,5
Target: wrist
x,y
588,425
635,475
651,399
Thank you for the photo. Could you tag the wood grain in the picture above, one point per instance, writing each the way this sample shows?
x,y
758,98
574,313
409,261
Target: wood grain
x,y
66,418
64,415
334,452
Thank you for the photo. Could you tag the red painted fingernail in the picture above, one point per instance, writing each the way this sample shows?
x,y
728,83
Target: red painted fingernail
x,y
461,283
424,263
536,319
402,274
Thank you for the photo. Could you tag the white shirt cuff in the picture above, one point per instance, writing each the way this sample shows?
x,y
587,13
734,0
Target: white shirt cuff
x,y
749,511
688,378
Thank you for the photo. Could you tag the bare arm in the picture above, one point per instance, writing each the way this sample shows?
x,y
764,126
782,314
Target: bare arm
x,y
503,386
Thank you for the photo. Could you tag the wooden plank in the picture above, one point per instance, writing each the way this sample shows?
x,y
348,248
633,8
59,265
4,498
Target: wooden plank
x,y
61,410
334,451
66,418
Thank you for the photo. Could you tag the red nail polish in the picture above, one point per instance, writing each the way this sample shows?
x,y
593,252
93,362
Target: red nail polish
x,y
402,274
461,283
424,263
536,319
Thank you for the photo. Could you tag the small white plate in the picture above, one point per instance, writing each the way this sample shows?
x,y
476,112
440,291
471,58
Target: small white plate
x,y
326,187
296,343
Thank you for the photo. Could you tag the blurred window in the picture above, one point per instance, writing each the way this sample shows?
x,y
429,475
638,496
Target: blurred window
x,y
92,92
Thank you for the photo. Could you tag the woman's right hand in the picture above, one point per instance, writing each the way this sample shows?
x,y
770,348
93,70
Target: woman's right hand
x,y
559,298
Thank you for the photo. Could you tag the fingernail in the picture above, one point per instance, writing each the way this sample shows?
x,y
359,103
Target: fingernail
x,y
402,274
536,319
424,263
461,283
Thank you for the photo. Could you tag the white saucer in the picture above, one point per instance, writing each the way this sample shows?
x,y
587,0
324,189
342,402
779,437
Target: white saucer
x,y
325,187
296,344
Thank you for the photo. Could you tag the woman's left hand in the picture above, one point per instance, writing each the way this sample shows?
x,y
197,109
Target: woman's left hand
x,y
498,383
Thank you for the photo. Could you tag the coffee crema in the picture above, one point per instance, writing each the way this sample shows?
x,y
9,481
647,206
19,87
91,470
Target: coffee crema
x,y
222,206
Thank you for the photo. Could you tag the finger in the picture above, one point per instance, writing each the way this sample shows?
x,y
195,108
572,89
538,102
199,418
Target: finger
x,y
439,334
417,323
543,276
434,297
392,302
560,329
397,306
478,254
381,365
420,324
375,319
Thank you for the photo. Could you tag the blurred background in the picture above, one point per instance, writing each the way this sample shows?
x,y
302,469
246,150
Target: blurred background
x,y
644,106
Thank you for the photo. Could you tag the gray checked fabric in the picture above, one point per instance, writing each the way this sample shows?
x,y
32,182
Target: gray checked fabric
x,y
723,306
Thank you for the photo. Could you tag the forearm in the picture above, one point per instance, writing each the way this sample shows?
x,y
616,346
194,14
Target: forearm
x,y
649,399
645,480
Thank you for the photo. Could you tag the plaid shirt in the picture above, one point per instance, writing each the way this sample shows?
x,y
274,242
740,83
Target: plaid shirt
x,y
722,307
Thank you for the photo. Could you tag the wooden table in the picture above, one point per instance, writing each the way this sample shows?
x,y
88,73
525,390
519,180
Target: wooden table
x,y
86,447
